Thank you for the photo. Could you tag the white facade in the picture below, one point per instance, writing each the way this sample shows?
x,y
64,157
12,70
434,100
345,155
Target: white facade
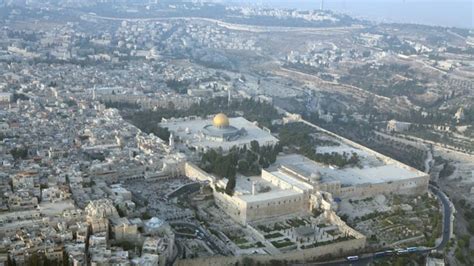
x,y
5,97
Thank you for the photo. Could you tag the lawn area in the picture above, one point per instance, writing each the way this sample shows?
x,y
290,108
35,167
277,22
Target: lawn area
x,y
246,246
274,235
279,226
264,228
296,222
239,240
254,245
282,243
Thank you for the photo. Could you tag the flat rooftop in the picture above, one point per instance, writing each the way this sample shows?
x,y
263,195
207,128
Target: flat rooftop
x,y
295,182
190,131
243,190
271,195
350,176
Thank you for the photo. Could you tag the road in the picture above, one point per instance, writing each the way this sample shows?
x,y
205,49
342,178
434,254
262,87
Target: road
x,y
447,213
178,254
364,259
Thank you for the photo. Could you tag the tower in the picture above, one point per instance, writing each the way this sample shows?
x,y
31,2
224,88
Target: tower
x,y
322,5
171,141
229,96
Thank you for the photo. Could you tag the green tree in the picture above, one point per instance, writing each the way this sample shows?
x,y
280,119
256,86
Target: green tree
x,y
229,189
243,166
19,153
254,146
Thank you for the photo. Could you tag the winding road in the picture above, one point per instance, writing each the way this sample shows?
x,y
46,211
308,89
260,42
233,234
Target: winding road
x,y
447,216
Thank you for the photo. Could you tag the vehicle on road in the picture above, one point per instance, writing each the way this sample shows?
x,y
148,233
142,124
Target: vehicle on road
x,y
352,258
379,254
402,252
384,253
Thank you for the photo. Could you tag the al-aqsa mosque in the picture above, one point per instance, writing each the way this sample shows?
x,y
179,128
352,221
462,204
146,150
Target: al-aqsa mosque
x,y
218,131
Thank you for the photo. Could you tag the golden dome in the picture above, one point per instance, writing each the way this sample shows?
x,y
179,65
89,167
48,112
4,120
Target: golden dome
x,y
220,120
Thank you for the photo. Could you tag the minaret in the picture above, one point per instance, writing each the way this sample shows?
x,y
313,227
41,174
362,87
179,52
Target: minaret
x,y
229,96
253,188
171,142
322,5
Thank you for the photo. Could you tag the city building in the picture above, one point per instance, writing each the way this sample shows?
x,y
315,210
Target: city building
x,y
397,126
5,97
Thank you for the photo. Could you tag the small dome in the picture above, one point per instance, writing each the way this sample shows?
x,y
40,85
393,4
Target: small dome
x,y
220,121
154,222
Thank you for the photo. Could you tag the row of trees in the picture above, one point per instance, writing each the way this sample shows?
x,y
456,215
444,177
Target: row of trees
x,y
334,158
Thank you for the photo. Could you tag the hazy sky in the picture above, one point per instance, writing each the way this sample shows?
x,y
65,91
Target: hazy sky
x,y
459,13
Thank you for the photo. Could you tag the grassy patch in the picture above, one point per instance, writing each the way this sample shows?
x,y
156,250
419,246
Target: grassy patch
x,y
279,227
274,235
264,228
238,240
282,243
296,222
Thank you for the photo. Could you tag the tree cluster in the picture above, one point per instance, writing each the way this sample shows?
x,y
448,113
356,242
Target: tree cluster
x,y
180,87
448,169
19,96
363,133
19,153
243,160
300,135
334,158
